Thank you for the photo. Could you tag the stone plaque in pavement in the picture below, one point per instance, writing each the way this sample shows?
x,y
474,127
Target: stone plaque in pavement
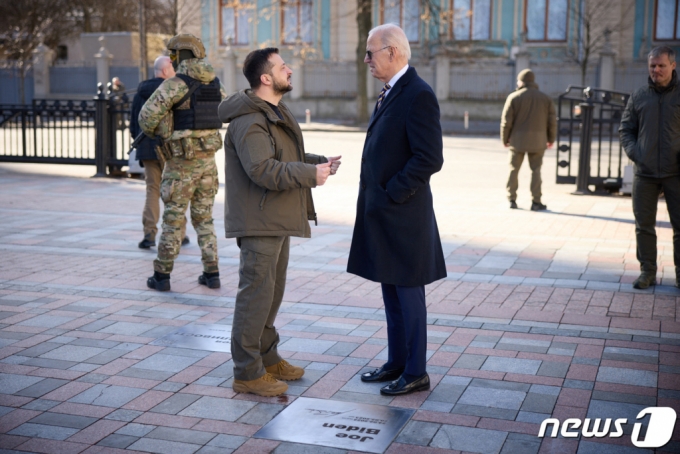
x,y
215,338
345,425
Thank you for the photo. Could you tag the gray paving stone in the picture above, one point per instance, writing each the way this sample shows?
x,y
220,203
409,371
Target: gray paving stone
x,y
592,447
134,372
469,439
63,420
43,431
12,383
669,394
166,363
5,410
127,328
320,366
553,369
41,388
106,357
176,403
499,384
534,418
227,441
117,441
522,348
374,398
512,365
543,389
40,349
579,384
136,430
108,396
213,450
521,444
94,378
583,360
46,321
442,407
418,433
649,401
181,435
630,358
83,367
72,353
627,376
490,397
261,414
41,404
218,408
539,403
163,446
603,409
124,415
306,345
466,361
169,386
485,412
342,349
50,363
355,361
446,393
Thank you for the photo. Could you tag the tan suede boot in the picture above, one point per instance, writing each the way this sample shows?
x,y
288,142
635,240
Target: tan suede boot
x,y
266,386
283,370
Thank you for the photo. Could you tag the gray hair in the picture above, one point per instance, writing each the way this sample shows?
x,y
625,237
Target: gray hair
x,y
662,50
160,63
393,36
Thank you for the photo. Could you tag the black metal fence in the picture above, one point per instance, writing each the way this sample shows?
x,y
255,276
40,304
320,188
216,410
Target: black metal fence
x,y
93,132
587,124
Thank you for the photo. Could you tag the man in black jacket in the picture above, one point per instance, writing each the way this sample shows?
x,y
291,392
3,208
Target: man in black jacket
x,y
146,154
650,135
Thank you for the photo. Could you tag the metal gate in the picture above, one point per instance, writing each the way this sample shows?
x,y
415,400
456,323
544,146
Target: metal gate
x,y
590,115
85,132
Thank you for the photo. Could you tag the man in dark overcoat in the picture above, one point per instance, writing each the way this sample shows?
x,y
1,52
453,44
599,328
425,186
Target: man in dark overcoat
x,y
396,241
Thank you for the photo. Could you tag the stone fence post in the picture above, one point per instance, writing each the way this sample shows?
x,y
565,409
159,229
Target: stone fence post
x,y
607,65
42,60
298,77
103,59
229,69
442,76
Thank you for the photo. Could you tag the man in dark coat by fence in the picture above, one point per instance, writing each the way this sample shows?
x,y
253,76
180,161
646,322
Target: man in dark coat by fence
x,y
396,241
146,154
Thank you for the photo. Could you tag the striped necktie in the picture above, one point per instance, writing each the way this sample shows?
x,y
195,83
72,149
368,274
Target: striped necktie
x,y
381,98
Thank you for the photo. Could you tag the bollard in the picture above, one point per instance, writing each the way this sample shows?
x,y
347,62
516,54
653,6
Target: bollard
x,y
308,116
584,149
102,134
466,120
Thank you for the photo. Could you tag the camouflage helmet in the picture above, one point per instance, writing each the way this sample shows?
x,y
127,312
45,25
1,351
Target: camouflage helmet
x,y
189,42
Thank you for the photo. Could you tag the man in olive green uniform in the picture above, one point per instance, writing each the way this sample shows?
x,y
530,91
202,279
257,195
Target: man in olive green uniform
x,y
183,112
528,126
269,199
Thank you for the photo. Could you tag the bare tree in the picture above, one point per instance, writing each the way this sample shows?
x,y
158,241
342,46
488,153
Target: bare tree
x,y
26,24
364,22
597,20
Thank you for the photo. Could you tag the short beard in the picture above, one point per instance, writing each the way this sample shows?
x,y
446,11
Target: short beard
x,y
281,89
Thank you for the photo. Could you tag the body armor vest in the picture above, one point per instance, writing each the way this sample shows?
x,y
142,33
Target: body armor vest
x,y
203,104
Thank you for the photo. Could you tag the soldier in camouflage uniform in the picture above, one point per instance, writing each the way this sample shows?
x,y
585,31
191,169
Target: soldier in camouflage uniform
x,y
183,112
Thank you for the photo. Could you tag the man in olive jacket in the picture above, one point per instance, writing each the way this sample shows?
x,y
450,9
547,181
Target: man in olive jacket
x,y
650,135
269,199
528,126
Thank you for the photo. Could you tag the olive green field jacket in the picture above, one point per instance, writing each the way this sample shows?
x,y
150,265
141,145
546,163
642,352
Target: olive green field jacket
x,y
528,121
268,174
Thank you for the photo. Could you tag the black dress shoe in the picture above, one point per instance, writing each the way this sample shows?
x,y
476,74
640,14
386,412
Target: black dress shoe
x,y
146,243
185,241
380,375
538,206
400,387
513,204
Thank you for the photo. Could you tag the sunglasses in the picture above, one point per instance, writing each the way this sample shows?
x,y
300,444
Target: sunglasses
x,y
369,53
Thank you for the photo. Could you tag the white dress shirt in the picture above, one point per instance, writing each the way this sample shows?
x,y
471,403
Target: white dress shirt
x,y
395,78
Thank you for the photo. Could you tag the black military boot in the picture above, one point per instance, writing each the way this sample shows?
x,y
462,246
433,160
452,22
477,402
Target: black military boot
x,y
159,281
146,243
210,280
645,280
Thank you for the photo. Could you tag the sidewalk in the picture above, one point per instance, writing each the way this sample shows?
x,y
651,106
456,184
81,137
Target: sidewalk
x,y
536,319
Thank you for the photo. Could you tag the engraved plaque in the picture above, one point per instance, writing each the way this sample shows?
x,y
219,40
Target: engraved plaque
x,y
216,338
345,425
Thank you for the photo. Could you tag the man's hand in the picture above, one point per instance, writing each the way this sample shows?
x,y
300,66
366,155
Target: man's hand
x,y
322,172
549,144
335,163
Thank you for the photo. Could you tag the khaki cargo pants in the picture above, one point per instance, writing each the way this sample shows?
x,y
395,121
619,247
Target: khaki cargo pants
x,y
535,162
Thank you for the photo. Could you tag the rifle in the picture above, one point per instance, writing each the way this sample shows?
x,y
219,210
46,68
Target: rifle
x,y
136,142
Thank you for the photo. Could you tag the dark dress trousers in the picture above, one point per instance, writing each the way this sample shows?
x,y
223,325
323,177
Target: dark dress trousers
x,y
396,241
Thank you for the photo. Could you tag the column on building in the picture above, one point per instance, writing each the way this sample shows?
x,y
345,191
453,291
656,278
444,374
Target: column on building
x,y
103,61
42,59
229,70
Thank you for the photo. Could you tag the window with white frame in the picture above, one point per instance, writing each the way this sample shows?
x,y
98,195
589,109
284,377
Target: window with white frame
x,y
297,18
546,20
404,13
470,19
236,20
666,26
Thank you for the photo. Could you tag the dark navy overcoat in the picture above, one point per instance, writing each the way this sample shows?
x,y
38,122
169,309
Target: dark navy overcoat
x,y
396,240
